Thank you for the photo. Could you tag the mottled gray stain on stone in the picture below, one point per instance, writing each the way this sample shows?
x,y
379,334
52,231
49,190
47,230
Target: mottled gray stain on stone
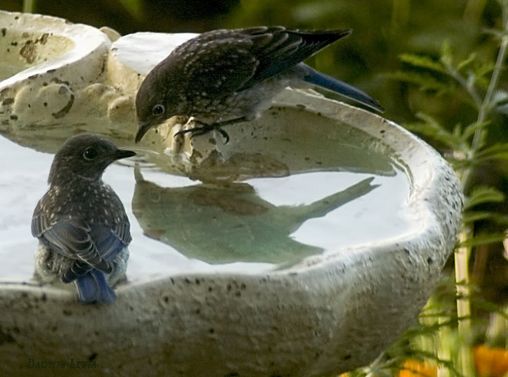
x,y
29,51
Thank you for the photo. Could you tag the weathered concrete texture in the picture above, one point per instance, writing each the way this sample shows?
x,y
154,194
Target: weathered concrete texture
x,y
54,74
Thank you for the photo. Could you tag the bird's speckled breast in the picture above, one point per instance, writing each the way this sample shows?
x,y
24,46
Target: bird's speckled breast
x,y
248,103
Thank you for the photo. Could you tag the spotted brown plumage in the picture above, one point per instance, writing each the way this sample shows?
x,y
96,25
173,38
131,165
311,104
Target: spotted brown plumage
x,y
226,76
80,222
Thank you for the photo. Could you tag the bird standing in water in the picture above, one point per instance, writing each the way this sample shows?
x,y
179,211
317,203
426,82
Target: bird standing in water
x,y
80,222
227,76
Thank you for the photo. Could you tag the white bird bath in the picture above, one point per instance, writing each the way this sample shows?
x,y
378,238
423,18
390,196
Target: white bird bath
x,y
313,261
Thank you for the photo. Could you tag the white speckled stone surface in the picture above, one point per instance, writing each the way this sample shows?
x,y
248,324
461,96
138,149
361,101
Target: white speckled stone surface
x,y
53,72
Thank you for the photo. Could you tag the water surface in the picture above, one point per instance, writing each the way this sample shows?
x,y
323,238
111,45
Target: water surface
x,y
330,195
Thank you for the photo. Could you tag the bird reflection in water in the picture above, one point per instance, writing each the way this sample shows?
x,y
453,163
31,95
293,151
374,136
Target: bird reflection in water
x,y
230,223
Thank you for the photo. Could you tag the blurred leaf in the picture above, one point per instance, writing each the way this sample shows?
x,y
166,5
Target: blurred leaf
x,y
466,62
483,194
484,69
495,32
472,216
470,130
446,54
423,80
483,239
432,128
422,61
134,7
457,131
494,152
500,219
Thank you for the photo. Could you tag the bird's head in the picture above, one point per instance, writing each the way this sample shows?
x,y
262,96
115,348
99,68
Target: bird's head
x,y
85,156
153,105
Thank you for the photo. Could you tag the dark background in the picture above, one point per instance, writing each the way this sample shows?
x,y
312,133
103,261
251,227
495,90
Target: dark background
x,y
382,30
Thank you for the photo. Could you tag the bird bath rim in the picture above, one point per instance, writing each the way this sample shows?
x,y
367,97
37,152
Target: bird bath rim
x,y
385,283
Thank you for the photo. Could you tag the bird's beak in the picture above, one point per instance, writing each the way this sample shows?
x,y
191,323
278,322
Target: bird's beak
x,y
123,153
142,130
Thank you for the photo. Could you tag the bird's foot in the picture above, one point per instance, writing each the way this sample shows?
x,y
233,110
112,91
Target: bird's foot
x,y
204,129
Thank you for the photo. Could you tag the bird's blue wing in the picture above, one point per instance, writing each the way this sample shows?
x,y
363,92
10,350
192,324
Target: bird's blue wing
x,y
122,231
75,240
92,248
78,268
110,241
278,49
91,283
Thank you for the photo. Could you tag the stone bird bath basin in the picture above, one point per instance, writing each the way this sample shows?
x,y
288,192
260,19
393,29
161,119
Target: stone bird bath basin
x,y
317,236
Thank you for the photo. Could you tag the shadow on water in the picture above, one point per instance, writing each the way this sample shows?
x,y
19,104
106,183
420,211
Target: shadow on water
x,y
223,224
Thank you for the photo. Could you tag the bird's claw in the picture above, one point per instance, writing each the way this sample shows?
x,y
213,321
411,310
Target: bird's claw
x,y
202,130
224,135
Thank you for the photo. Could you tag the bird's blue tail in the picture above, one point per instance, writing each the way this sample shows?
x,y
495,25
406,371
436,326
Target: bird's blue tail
x,y
328,82
94,288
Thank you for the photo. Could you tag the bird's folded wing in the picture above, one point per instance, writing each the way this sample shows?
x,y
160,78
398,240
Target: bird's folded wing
x,y
109,242
73,239
77,269
222,67
122,231
40,222
277,49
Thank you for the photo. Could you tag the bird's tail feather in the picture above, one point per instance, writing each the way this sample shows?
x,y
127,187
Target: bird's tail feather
x,y
94,288
330,83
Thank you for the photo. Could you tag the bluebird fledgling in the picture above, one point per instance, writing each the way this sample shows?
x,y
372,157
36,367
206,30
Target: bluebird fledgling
x,y
227,76
80,222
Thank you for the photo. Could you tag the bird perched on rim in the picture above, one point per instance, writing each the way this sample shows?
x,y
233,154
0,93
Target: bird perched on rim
x,y
80,222
226,76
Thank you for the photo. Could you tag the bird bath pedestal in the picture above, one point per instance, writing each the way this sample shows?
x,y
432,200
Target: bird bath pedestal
x,y
252,278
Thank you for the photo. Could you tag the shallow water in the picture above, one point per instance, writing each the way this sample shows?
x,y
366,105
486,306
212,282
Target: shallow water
x,y
180,225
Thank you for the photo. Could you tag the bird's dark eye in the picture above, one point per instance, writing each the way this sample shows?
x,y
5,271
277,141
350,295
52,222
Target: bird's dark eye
x,y
90,154
158,109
